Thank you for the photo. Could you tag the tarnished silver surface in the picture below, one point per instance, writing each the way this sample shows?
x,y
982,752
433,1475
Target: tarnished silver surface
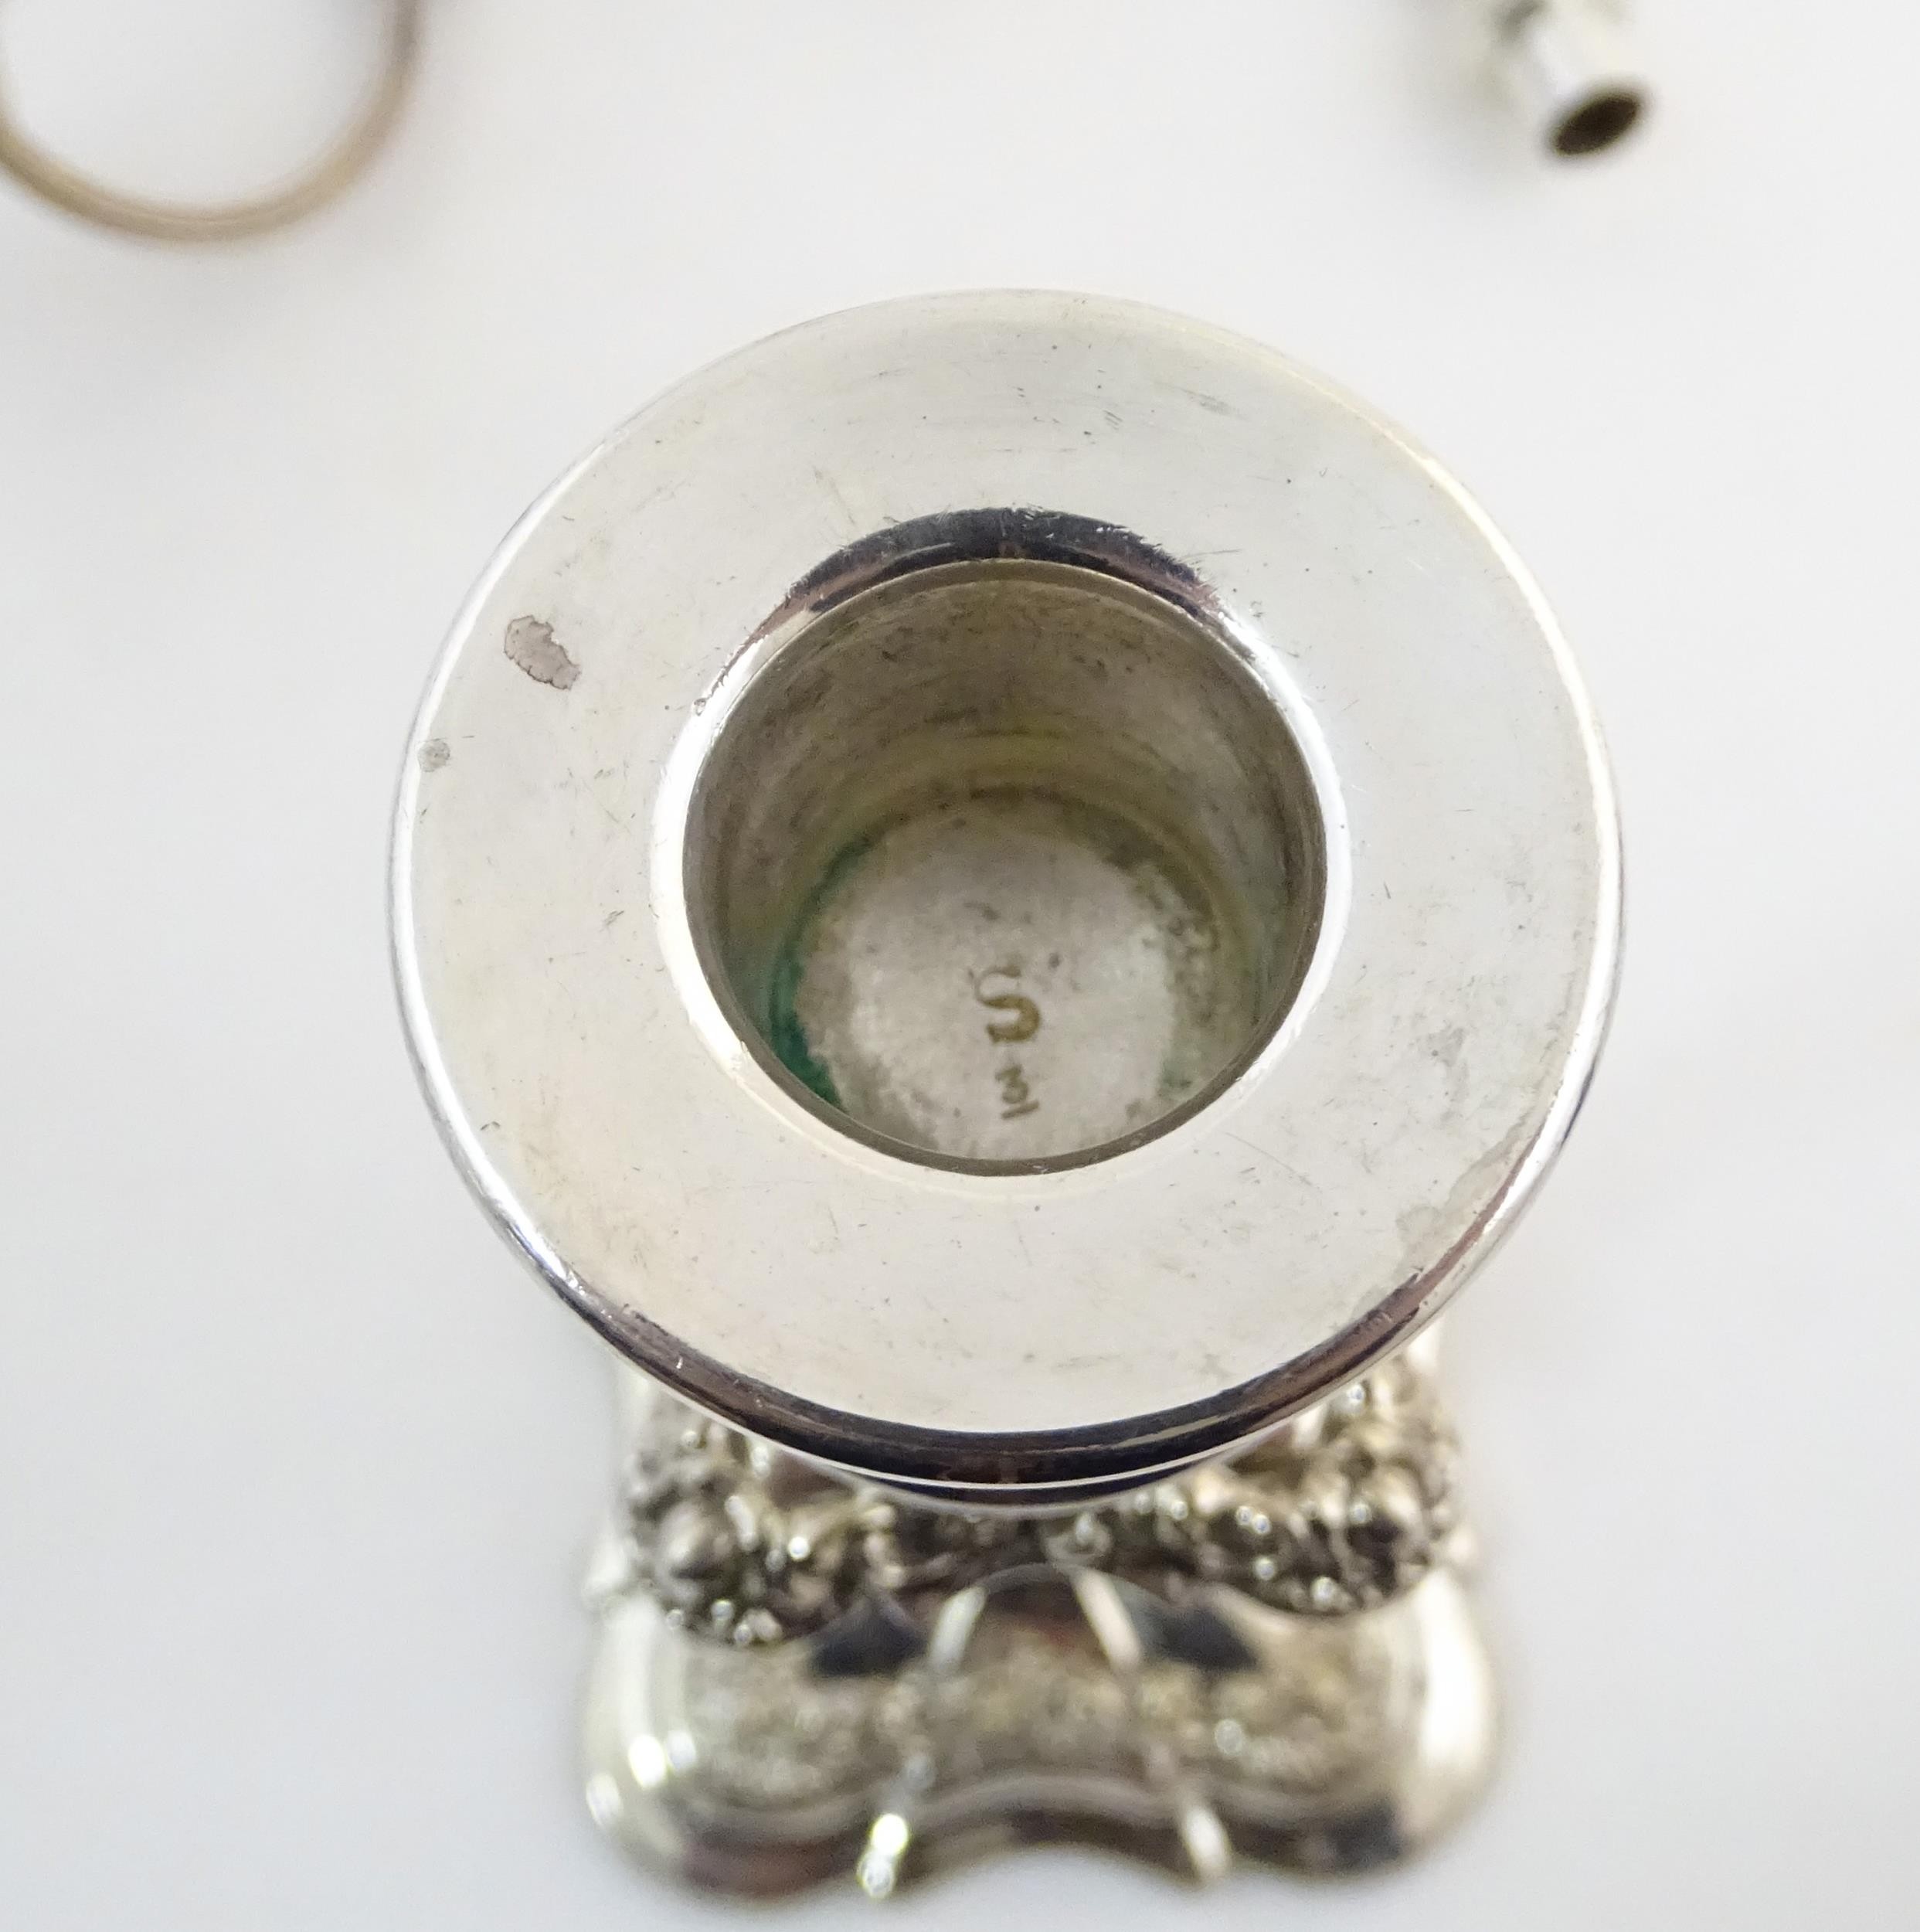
x,y
1005,890
1274,1659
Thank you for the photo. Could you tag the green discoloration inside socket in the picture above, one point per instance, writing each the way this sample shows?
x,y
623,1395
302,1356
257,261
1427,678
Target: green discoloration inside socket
x,y
784,1033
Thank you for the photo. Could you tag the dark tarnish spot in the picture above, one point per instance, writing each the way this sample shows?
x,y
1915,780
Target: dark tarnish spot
x,y
532,645
434,753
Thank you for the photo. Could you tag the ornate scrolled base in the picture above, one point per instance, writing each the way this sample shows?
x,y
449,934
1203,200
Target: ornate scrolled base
x,y
1274,1658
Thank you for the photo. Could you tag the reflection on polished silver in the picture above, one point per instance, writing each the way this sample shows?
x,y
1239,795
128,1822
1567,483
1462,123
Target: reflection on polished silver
x,y
1007,893
1272,1658
1567,68
1340,1510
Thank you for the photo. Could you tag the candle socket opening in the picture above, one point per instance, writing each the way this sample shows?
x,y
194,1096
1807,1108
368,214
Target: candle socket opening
x,y
1006,861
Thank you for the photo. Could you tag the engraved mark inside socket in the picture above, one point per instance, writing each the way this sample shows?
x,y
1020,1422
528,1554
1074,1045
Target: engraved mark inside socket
x,y
1006,860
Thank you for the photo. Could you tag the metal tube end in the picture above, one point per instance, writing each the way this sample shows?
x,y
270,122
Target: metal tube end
x,y
1568,66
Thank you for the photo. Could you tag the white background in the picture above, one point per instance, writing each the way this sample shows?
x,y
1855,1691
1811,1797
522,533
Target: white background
x,y
297,1470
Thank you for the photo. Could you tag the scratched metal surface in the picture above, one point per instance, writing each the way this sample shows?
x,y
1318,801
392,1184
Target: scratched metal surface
x,y
1050,1320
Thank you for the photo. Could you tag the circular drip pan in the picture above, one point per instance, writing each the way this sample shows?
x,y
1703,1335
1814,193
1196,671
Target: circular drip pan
x,y
1005,890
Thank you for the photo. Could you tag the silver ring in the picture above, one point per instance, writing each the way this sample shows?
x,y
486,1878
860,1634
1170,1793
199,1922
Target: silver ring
x,y
1299,778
